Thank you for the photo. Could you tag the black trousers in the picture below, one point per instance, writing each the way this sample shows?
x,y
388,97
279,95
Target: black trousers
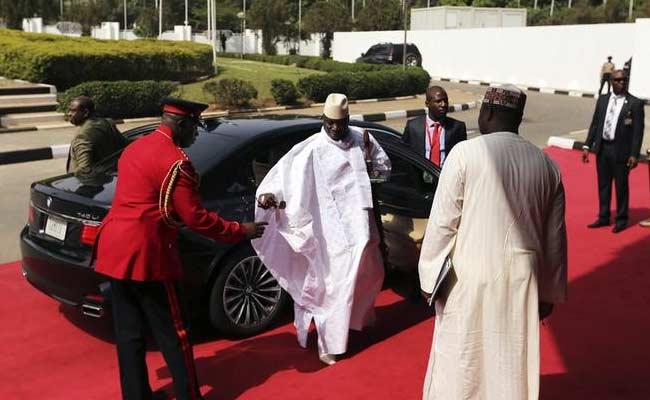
x,y
605,79
138,307
609,170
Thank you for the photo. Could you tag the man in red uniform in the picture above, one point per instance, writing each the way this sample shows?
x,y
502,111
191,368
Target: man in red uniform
x,y
157,192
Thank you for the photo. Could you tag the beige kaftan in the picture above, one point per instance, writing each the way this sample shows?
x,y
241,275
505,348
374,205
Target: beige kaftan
x,y
499,212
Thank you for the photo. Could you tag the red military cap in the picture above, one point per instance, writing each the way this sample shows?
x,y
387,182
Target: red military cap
x,y
176,106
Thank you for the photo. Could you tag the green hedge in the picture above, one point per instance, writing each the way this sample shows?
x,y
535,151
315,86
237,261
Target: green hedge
x,y
231,93
122,99
284,91
64,62
366,85
317,63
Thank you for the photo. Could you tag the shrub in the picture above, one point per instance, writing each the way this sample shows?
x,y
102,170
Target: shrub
x,y
316,63
231,93
64,62
122,99
284,91
366,85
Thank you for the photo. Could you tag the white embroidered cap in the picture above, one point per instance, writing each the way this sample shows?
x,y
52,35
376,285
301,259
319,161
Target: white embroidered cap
x,y
336,106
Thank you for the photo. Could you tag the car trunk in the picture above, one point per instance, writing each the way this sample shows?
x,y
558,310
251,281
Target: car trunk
x,y
65,214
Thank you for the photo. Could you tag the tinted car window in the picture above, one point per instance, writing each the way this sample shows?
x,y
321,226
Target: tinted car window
x,y
378,50
242,174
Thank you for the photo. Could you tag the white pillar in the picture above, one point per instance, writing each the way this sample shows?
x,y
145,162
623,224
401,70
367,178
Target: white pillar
x,y
300,22
160,15
214,35
630,10
209,21
640,79
552,7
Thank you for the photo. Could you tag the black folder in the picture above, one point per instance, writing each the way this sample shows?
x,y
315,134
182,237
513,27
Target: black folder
x,y
447,265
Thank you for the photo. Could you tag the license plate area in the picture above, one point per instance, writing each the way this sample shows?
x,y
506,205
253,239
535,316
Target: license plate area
x,y
56,227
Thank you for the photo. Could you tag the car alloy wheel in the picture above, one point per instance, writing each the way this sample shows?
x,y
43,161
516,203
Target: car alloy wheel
x,y
251,293
411,60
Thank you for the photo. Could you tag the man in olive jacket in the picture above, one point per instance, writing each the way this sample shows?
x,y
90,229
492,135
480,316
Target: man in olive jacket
x,y
97,138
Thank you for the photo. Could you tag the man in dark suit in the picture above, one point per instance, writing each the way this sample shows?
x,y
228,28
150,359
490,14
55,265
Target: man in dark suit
x,y
435,134
615,135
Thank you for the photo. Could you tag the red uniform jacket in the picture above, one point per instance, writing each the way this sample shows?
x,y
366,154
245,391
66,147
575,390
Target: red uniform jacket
x,y
156,193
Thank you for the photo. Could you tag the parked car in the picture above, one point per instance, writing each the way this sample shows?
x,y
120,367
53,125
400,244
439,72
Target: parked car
x,y
391,53
232,156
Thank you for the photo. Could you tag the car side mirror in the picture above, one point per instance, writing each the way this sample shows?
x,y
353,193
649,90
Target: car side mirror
x,y
363,54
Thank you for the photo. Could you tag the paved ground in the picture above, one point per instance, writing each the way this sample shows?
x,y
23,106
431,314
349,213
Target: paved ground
x,y
546,115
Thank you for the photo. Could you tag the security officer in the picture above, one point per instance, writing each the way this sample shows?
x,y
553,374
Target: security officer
x,y
97,139
157,193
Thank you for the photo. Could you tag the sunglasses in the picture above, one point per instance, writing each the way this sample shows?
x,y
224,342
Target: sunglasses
x,y
619,79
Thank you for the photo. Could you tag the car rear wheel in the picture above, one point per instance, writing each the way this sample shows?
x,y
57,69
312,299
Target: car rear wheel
x,y
245,298
412,60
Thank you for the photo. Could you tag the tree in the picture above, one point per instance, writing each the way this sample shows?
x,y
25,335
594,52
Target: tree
x,y
147,23
91,13
381,15
269,16
12,12
226,11
327,17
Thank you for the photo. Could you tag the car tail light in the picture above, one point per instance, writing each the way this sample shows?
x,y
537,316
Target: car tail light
x,y
89,234
30,214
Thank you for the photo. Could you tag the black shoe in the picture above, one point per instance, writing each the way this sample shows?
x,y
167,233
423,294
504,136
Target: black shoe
x,y
619,227
598,223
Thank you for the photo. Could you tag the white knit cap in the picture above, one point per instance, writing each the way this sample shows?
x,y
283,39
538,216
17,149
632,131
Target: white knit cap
x,y
336,106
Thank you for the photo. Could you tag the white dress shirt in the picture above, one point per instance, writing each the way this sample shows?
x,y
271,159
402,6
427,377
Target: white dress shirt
x,y
614,107
427,143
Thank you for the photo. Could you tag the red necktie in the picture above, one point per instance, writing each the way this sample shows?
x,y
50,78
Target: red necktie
x,y
434,141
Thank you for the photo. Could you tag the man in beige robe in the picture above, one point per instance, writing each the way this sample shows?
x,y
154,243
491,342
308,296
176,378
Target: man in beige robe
x,y
498,213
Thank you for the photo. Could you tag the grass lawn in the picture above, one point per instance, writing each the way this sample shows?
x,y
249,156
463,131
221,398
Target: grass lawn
x,y
257,73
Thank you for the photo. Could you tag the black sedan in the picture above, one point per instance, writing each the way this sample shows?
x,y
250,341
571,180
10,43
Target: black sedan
x,y
232,156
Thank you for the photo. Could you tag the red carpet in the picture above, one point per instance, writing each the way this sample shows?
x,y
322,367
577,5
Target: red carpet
x,y
595,347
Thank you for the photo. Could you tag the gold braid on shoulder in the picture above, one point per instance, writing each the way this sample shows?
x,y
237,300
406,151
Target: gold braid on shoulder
x,y
191,175
166,193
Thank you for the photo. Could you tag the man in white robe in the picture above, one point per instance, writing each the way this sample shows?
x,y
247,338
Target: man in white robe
x,y
324,247
498,213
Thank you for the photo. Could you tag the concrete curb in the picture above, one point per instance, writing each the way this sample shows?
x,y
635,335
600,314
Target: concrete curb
x,y
57,151
572,93
42,153
572,144
368,117
51,87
